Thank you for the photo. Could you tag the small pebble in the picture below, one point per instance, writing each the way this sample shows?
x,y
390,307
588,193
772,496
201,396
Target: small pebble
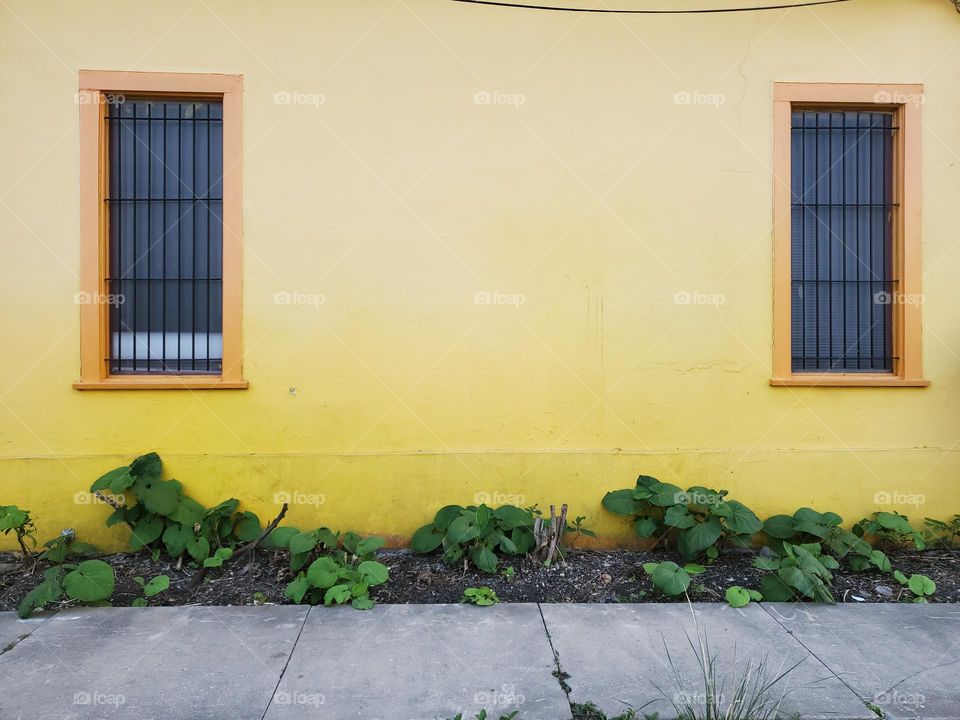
x,y
883,590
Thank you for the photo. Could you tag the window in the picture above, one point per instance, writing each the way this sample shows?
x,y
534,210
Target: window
x,y
160,230
846,228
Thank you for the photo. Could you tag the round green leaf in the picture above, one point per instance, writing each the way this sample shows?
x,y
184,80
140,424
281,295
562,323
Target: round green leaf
x,y
445,516
426,539
176,537
522,539
280,537
881,560
297,589
160,497
338,594
370,545
157,585
116,481
363,602
248,527
461,530
91,581
779,527
679,517
667,494
670,579
620,502
302,542
146,531
323,572
199,548
645,527
510,517
698,538
921,585
146,467
892,521
741,519
189,512
373,573
737,597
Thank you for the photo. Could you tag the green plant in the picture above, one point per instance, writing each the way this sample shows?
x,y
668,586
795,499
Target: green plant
x,y
259,598
891,528
156,586
804,526
802,571
477,533
810,526
65,545
700,519
943,532
164,517
508,572
91,581
738,597
17,520
343,572
921,586
671,579
480,596
757,693
579,528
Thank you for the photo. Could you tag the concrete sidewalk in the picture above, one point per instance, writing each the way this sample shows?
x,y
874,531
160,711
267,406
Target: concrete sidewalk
x,y
421,662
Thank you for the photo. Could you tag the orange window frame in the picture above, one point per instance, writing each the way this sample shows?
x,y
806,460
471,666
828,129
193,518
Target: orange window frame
x,y
95,87
905,100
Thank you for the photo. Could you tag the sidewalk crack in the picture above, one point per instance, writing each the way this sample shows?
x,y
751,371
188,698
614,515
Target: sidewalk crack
x,y
558,672
287,663
813,654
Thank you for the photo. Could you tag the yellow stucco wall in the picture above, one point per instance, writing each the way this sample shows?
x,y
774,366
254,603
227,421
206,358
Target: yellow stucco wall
x,y
392,189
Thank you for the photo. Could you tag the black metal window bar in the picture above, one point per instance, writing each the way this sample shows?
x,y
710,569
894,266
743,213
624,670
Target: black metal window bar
x,y
842,204
165,211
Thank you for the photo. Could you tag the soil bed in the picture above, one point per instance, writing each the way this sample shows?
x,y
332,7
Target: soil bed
x,y
585,576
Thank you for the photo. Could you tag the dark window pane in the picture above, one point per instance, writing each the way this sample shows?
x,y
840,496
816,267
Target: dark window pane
x,y
842,241
165,211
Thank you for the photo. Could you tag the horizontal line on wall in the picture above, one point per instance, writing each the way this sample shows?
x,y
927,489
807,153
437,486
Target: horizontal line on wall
x,y
548,451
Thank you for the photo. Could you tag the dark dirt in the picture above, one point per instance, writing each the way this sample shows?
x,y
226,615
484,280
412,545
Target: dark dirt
x,y
585,576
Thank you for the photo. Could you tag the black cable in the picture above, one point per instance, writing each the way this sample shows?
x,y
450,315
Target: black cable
x,y
649,12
